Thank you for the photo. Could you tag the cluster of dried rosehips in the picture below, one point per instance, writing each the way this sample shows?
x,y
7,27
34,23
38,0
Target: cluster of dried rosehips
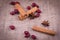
x,y
15,10
27,35
36,14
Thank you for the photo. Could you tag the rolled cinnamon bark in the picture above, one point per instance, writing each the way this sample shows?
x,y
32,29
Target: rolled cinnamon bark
x,y
23,14
43,30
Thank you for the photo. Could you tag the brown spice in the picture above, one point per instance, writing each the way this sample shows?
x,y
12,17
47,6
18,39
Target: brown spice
x,y
45,23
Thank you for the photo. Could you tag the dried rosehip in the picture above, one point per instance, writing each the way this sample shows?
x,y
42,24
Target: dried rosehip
x,y
33,37
38,11
12,13
37,15
12,27
17,3
37,6
28,7
16,11
27,34
33,4
12,3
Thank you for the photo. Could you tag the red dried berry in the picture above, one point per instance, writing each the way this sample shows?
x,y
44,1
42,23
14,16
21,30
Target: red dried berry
x,y
37,6
16,11
37,15
12,27
12,13
17,3
27,34
33,37
33,4
12,3
28,7
38,11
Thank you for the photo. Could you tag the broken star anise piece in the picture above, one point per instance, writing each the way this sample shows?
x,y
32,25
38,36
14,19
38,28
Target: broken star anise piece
x,y
45,23
31,16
